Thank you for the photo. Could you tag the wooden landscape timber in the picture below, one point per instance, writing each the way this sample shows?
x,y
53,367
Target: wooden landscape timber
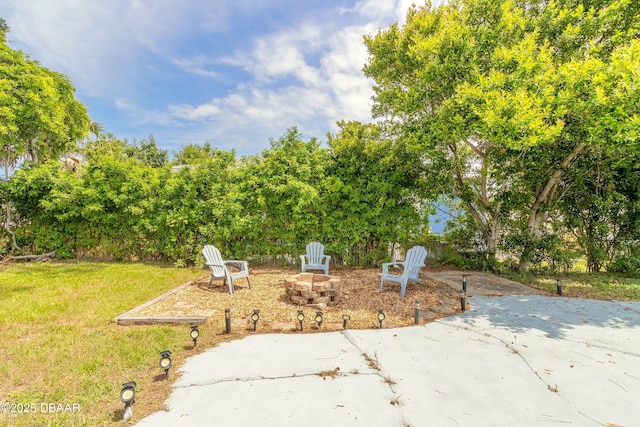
x,y
129,318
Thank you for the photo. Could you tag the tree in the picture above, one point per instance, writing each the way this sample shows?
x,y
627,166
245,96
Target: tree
x,y
602,209
147,152
280,192
197,206
194,154
39,116
503,97
372,194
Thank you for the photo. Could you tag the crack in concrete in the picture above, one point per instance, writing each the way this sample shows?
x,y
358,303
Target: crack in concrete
x,y
604,347
268,378
378,371
515,351
347,336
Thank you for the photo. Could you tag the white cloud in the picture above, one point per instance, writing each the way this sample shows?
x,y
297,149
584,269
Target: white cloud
x,y
101,42
279,58
188,112
308,75
199,66
276,59
314,97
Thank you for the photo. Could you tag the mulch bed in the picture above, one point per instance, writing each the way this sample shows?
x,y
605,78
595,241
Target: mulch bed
x,y
361,300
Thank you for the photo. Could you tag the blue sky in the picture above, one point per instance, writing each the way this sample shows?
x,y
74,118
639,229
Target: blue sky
x,y
231,72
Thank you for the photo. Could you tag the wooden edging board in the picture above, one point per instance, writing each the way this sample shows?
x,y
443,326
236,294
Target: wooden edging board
x,y
129,317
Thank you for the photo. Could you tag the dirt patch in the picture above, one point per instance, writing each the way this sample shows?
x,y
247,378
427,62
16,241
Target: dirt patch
x,y
361,300
482,284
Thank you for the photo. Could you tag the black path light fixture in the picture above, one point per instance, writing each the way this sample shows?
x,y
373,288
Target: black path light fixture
x,y
255,316
127,396
416,312
194,334
559,286
463,293
227,320
381,317
345,319
319,319
300,318
165,362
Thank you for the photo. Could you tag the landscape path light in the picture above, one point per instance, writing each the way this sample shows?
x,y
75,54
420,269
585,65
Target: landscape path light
x,y
559,286
319,318
194,334
127,396
463,300
464,283
255,316
300,317
165,362
416,313
345,318
381,317
227,320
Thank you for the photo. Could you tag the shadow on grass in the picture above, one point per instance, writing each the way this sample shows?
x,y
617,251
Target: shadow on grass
x,y
160,377
118,415
17,289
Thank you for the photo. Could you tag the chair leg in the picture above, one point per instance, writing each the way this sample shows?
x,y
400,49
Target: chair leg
x,y
403,288
231,286
381,285
248,282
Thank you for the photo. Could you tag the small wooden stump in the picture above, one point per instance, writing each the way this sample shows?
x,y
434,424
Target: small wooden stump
x,y
311,288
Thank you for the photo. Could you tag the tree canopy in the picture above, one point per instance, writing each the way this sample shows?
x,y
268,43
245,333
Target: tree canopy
x,y
503,97
40,119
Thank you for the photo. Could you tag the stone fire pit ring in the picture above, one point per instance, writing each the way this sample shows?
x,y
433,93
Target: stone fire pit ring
x,y
313,289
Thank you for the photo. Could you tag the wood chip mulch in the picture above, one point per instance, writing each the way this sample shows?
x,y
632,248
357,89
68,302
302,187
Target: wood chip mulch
x,y
361,300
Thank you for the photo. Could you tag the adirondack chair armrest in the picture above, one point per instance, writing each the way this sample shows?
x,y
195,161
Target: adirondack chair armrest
x,y
326,259
394,263
386,266
236,261
215,265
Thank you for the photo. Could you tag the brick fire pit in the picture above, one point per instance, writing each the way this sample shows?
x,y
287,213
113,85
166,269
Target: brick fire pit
x,y
312,289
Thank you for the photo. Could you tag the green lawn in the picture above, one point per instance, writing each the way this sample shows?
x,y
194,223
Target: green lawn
x,y
607,286
60,343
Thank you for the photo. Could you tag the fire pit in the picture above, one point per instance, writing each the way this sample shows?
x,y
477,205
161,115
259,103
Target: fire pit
x,y
313,289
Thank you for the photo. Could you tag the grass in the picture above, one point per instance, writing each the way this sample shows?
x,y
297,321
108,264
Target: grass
x,y
60,344
605,286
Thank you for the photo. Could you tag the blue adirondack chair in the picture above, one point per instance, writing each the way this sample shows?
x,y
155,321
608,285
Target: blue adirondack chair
x,y
219,269
411,266
315,259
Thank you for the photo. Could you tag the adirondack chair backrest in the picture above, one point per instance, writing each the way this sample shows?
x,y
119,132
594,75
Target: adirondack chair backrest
x,y
315,252
212,256
415,260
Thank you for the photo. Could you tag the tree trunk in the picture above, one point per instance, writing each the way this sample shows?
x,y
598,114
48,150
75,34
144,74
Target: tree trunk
x,y
32,150
537,214
7,207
